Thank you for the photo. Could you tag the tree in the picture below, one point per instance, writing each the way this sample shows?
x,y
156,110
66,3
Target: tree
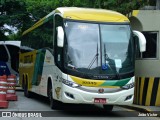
x,y
12,14
122,6
23,14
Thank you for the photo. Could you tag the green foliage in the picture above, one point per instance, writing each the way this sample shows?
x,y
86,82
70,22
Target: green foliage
x,y
2,36
22,14
12,13
122,6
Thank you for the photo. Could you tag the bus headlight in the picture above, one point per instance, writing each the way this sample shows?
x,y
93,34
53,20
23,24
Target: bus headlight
x,y
128,86
69,83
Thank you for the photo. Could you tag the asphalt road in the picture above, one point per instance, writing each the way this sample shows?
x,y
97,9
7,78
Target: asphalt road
x,y
39,106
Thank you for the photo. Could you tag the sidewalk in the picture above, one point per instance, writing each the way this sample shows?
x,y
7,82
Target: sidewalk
x,y
141,108
18,88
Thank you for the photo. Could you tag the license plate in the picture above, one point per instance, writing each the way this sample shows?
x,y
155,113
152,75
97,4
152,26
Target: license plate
x,y
100,100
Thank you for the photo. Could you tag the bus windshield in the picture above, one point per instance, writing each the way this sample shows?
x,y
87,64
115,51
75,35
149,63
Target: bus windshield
x,y
98,50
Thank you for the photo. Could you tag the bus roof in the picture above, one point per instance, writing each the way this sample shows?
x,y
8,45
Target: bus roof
x,y
13,43
90,14
85,14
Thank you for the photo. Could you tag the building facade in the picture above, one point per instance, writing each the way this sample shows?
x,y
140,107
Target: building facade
x,y
147,66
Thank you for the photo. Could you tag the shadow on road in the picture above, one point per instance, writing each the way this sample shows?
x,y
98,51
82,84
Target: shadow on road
x,y
77,110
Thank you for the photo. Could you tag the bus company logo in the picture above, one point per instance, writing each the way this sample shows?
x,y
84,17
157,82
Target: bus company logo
x,y
57,90
48,59
101,90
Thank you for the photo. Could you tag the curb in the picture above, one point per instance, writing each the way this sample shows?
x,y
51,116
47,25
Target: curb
x,y
138,108
19,89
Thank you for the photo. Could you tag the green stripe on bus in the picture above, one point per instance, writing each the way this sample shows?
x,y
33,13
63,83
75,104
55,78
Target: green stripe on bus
x,y
116,82
47,19
38,68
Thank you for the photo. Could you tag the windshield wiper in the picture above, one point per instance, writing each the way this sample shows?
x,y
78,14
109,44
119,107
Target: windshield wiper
x,y
94,59
106,58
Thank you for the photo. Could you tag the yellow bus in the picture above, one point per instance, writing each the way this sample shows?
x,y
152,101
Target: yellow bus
x,y
81,55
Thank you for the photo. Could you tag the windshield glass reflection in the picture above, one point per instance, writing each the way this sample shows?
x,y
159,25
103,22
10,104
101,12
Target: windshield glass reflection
x,y
98,49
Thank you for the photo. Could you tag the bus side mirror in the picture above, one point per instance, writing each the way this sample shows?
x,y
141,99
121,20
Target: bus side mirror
x,y
60,36
142,40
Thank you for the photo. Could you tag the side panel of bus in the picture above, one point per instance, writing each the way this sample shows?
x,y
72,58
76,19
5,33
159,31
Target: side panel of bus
x,y
48,74
39,69
26,67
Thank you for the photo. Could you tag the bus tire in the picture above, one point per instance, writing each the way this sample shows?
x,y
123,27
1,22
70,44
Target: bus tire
x,y
54,104
27,93
23,84
108,107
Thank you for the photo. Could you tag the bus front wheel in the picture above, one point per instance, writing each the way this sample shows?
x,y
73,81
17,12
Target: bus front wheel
x,y
54,104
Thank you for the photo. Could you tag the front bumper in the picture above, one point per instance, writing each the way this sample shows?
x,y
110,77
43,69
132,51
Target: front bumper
x,y
75,95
